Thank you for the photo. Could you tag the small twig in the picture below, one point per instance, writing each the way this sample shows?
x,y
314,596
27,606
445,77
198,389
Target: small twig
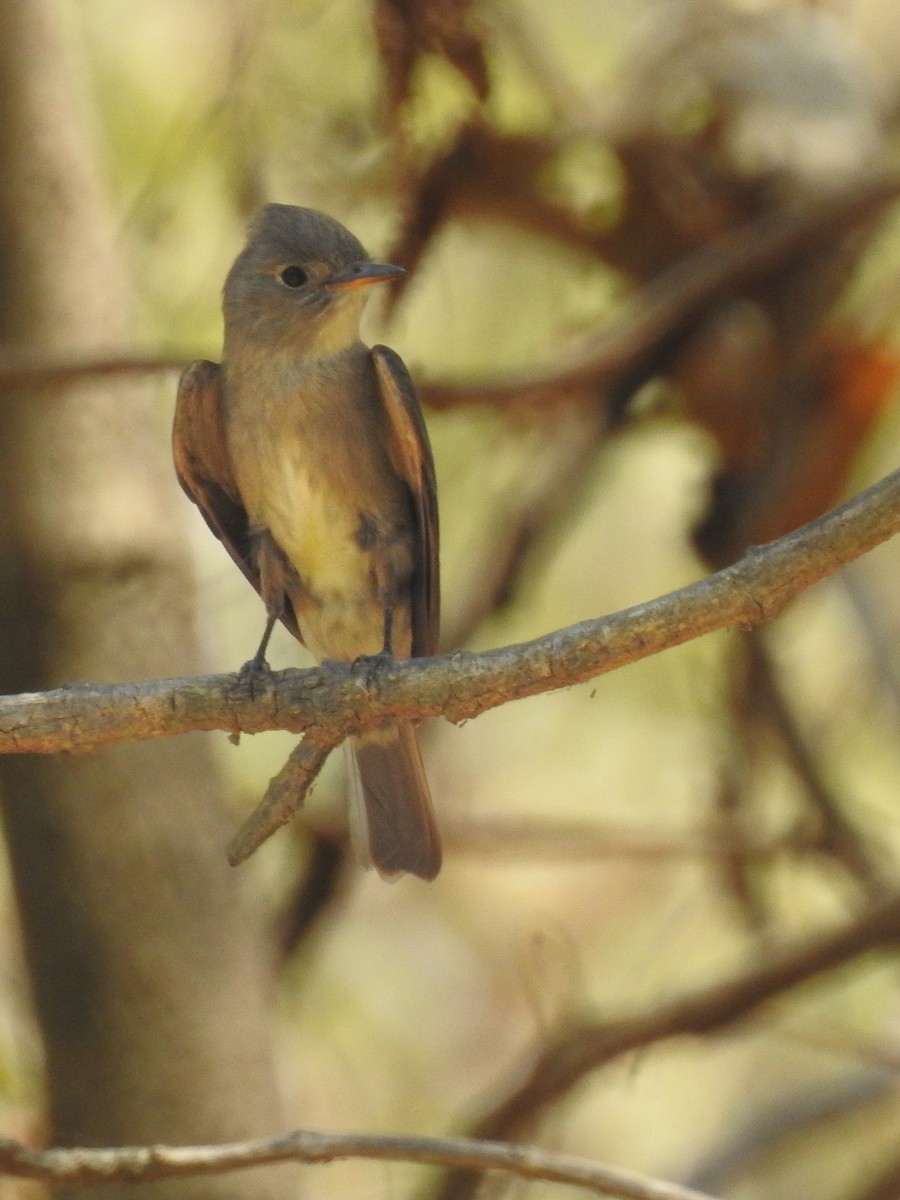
x,y
337,700
133,1163
284,795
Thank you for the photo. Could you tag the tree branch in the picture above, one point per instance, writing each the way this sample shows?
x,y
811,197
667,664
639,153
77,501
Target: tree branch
x,y
24,368
339,699
134,1163
579,1048
619,356
284,795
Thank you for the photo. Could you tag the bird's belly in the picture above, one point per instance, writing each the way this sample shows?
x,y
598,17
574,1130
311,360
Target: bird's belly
x,y
316,528
339,607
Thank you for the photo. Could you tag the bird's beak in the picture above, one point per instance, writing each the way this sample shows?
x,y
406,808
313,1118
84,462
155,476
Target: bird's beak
x,y
363,274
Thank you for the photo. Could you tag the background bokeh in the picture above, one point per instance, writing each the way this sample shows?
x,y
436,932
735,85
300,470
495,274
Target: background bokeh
x,y
616,844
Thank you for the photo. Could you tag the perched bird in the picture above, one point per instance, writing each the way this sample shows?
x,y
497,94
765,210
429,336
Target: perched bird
x,y
306,452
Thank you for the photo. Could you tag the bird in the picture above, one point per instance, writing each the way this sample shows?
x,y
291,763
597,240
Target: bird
x,y
307,454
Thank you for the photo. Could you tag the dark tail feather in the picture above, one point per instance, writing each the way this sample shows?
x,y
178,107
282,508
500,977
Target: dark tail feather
x,y
391,813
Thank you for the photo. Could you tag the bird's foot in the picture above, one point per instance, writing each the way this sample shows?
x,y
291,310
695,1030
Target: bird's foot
x,y
255,675
369,665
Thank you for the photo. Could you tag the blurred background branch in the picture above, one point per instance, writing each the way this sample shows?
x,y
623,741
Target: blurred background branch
x,y
653,328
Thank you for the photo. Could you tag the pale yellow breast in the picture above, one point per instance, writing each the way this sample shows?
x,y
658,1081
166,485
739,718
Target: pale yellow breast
x,y
315,525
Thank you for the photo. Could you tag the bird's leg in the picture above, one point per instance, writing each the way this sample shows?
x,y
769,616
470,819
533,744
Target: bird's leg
x,y
387,650
258,661
387,592
256,670
271,566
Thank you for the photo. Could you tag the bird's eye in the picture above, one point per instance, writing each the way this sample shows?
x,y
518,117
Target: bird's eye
x,y
293,277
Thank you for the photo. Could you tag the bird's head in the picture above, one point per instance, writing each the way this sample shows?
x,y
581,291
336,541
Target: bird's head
x,y
302,277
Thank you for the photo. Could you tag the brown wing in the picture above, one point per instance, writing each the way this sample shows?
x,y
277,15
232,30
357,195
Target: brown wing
x,y
411,455
203,467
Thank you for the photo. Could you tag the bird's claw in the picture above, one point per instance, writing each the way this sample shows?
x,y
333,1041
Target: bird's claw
x,y
254,675
369,664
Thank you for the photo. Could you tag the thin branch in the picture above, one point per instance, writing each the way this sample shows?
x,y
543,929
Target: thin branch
x,y
283,797
549,840
860,856
24,368
808,1109
338,699
133,1163
319,885
578,1049
620,355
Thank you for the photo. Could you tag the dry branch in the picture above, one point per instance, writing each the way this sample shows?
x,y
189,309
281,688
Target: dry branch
x,y
133,1163
336,700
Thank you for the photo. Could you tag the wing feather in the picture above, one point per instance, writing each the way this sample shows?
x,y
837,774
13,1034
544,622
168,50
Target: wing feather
x,y
411,455
203,467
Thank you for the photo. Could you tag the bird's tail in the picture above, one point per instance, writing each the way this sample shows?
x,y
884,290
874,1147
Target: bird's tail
x,y
392,820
